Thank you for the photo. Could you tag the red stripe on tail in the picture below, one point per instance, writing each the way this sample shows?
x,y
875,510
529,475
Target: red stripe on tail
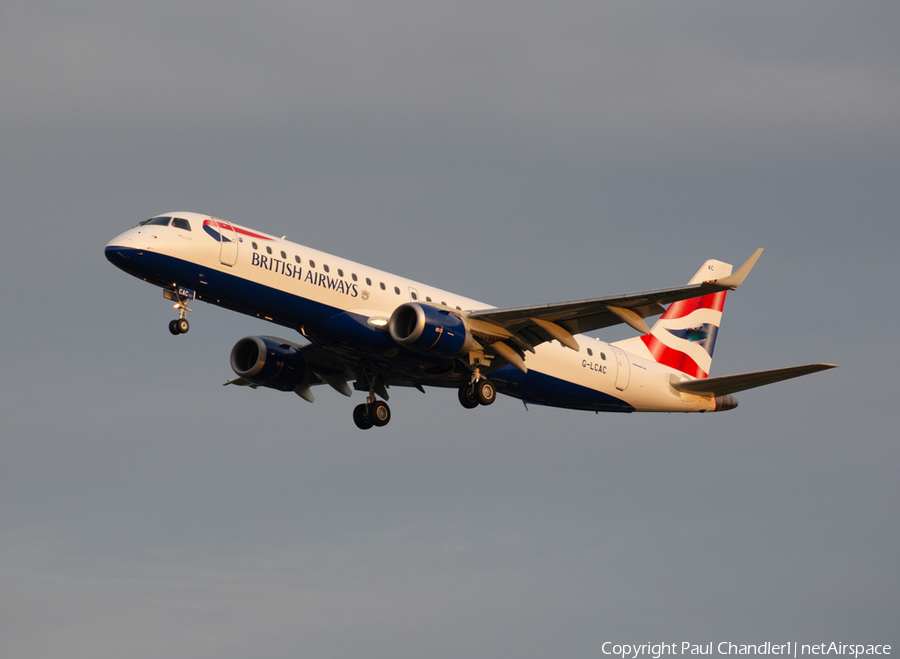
x,y
672,358
682,308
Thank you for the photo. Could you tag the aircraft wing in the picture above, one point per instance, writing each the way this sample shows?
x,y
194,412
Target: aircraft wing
x,y
729,384
530,326
327,368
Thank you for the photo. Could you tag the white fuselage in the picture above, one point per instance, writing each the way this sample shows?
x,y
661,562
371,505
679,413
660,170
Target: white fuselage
x,y
322,295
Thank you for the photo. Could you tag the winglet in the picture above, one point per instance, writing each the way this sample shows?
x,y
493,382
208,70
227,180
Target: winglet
x,y
734,280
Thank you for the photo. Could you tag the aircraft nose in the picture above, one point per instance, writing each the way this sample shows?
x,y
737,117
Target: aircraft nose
x,y
119,240
116,248
114,253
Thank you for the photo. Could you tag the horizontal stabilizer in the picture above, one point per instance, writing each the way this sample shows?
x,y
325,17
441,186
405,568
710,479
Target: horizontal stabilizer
x,y
729,384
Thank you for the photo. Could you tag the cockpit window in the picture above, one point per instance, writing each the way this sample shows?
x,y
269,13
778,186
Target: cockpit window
x,y
161,221
180,223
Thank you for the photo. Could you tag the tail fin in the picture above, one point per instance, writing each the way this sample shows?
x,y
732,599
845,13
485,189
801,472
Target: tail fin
x,y
684,337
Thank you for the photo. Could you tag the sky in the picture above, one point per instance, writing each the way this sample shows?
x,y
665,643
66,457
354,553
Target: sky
x,y
515,153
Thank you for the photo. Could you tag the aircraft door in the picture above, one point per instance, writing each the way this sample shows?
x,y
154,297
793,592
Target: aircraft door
x,y
623,371
228,244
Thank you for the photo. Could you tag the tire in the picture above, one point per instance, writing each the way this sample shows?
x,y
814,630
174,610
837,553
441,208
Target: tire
x,y
361,417
485,392
467,397
173,328
183,325
379,413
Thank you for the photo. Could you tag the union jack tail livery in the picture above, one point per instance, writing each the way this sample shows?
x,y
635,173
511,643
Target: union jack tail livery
x,y
684,337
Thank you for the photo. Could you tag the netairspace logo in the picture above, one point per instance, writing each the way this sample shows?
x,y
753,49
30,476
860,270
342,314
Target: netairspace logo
x,y
790,649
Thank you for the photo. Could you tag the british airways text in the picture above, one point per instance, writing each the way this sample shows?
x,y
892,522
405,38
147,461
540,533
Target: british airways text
x,y
296,272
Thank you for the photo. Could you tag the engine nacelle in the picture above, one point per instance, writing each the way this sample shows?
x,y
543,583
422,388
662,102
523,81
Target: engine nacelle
x,y
429,330
268,362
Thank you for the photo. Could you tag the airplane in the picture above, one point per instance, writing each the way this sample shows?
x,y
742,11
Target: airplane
x,y
375,330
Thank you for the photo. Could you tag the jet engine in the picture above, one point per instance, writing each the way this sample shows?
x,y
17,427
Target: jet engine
x,y
430,330
269,362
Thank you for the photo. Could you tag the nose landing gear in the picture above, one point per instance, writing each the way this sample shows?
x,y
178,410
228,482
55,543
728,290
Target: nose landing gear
x,y
179,326
181,296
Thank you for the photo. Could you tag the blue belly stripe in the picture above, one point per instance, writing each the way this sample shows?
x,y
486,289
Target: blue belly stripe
x,y
347,334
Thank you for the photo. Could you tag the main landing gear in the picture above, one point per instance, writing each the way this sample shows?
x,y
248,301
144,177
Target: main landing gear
x,y
480,391
180,325
371,413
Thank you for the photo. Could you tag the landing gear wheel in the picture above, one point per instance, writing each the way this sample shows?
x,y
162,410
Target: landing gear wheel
x,y
467,397
181,296
361,417
379,413
485,392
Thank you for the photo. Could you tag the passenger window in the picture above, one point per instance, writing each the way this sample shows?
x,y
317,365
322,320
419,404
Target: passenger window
x,y
427,299
353,276
180,223
297,258
382,286
312,264
590,352
268,250
603,356
368,282
325,268
413,295
459,308
255,246
444,304
397,290
340,273
283,255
